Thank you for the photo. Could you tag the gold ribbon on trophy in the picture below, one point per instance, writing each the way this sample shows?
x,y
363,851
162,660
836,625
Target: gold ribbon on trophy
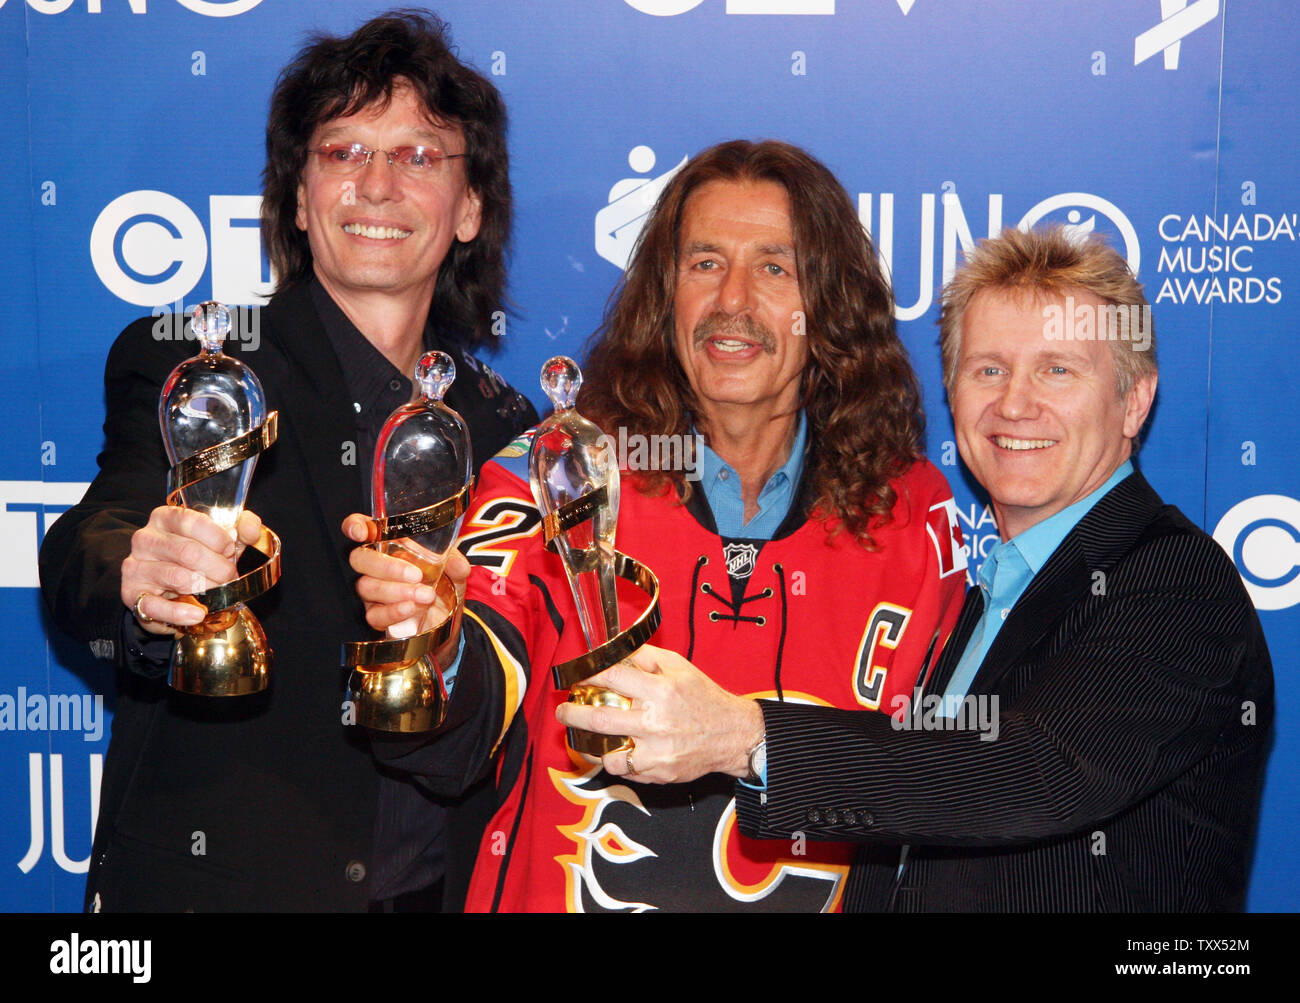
x,y
570,675
215,460
395,685
575,481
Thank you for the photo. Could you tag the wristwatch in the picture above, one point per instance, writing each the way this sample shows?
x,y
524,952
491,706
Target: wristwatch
x,y
757,762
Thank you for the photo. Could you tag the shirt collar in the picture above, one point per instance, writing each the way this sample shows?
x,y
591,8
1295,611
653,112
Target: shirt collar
x,y
368,374
711,464
366,371
1037,543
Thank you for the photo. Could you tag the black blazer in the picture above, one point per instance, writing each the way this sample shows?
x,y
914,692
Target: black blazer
x,y
1134,695
255,803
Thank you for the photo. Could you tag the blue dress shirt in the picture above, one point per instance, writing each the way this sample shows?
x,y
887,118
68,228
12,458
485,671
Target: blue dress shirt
x,y
721,486
1004,576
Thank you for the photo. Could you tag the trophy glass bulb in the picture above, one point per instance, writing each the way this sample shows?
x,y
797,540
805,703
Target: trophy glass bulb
x,y
211,324
209,399
422,457
434,374
570,459
561,380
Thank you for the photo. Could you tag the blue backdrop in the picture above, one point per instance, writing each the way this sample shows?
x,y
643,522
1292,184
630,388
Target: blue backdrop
x,y
134,136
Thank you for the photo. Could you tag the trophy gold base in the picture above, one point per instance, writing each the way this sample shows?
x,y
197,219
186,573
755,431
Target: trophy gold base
x,y
570,675
226,655
590,743
406,697
395,684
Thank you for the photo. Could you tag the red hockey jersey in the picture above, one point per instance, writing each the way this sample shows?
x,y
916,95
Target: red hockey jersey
x,y
806,616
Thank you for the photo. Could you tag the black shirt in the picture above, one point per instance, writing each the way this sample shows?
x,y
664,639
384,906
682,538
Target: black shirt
x,y
409,824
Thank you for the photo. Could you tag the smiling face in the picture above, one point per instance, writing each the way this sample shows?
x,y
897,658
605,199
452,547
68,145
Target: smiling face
x,y
737,304
378,230
1040,422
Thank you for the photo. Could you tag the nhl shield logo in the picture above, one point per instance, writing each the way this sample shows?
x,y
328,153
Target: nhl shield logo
x,y
740,558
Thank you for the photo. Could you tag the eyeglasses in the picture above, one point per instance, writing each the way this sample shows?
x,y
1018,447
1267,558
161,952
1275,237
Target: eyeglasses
x,y
414,161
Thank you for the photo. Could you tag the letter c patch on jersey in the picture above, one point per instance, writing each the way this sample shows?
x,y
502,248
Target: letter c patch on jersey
x,y
884,632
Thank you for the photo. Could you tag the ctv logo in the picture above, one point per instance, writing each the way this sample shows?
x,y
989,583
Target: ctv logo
x,y
27,510
149,248
208,8
1178,20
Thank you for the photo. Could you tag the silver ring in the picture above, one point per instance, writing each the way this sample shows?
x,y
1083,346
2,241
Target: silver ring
x,y
140,614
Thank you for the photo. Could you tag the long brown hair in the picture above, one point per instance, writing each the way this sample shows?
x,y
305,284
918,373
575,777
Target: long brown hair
x,y
860,395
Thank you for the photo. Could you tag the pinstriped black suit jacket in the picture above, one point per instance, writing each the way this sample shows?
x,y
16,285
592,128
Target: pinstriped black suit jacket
x,y
1135,695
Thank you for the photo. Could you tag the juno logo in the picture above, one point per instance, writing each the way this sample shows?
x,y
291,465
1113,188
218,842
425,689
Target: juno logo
x,y
36,784
219,8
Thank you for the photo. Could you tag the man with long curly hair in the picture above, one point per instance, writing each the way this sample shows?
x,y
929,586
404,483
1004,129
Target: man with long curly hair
x,y
807,554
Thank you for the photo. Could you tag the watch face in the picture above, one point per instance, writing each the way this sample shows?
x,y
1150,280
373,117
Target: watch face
x,y
758,761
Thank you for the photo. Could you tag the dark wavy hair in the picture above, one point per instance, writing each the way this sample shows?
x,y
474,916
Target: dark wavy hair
x,y
861,397
335,77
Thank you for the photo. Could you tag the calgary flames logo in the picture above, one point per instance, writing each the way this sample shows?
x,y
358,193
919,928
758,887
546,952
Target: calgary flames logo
x,y
677,848
598,839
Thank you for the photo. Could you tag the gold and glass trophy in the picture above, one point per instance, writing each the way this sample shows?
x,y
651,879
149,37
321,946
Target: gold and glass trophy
x,y
214,422
422,473
573,473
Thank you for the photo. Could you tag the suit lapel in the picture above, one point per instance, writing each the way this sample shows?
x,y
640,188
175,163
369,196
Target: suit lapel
x,y
971,609
317,415
1057,586
1105,533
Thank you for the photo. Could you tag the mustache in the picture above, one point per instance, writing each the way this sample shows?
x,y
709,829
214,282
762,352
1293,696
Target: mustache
x,y
742,325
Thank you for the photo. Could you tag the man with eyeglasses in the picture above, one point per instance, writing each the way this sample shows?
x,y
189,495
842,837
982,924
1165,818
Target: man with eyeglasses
x,y
386,212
